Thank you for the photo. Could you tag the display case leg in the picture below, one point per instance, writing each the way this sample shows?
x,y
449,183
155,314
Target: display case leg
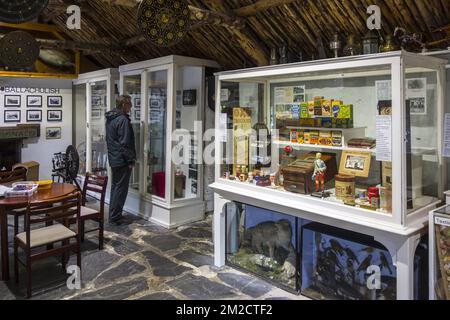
x,y
405,268
219,230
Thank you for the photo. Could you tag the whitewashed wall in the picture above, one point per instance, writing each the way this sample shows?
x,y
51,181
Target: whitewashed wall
x,y
41,149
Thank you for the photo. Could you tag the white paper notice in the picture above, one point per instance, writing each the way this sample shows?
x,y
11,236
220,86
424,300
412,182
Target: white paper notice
x,y
446,150
384,90
384,138
223,127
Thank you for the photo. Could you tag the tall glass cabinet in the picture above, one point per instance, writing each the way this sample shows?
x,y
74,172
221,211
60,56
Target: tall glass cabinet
x,y
94,94
168,96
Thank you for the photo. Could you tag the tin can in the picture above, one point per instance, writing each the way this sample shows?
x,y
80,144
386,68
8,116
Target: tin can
x,y
345,188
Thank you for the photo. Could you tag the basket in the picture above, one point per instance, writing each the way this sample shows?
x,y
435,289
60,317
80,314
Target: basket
x,y
22,189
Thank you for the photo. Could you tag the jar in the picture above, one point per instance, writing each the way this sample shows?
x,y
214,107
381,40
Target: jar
x,y
385,199
374,197
345,188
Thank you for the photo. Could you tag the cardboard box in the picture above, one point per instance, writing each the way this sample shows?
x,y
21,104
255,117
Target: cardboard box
x,y
300,136
304,113
311,109
336,137
336,105
325,138
314,137
327,106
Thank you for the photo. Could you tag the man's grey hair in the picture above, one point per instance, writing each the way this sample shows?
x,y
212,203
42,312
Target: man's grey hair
x,y
120,101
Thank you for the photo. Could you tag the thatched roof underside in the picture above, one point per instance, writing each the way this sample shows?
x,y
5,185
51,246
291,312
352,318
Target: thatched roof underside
x,y
298,24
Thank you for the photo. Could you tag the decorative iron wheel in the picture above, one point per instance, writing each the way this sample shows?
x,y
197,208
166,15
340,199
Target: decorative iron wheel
x,y
19,49
19,11
164,22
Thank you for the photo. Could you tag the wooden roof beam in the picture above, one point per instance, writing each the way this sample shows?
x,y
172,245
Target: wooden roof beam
x,y
259,6
31,26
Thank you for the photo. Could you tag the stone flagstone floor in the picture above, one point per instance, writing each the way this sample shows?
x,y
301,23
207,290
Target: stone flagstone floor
x,y
144,261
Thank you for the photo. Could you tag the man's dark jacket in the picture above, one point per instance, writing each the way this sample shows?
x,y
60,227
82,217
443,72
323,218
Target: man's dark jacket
x,y
120,139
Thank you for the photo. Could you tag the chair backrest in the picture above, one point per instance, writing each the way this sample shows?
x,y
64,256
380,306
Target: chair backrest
x,y
19,174
95,184
58,209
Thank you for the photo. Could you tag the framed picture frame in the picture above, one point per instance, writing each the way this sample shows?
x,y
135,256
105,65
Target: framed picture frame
x,y
96,114
54,115
137,114
355,163
53,133
96,101
54,101
34,115
13,101
189,97
34,101
137,103
12,116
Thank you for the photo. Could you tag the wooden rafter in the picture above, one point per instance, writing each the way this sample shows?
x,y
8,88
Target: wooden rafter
x,y
30,26
259,6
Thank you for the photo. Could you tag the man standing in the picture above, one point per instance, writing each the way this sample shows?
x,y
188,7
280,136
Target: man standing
x,y
121,155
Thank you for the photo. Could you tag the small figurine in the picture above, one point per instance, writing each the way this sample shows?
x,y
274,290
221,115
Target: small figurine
x,y
320,169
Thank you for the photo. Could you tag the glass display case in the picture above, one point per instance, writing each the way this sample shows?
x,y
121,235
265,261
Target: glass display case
x,y
168,106
94,95
362,136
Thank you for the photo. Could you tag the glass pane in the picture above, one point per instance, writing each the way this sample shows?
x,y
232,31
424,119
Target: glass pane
x,y
323,135
157,113
187,113
132,87
97,123
422,162
79,119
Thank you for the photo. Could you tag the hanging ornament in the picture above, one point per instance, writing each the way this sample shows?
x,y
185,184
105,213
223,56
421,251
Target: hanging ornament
x,y
18,50
19,11
164,22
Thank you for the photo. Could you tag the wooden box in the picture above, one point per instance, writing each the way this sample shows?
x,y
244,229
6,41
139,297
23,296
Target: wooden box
x,y
298,175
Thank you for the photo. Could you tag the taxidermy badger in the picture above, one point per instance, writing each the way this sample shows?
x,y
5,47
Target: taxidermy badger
x,y
269,234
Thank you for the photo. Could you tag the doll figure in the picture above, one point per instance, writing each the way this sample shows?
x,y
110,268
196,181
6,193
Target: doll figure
x,y
319,173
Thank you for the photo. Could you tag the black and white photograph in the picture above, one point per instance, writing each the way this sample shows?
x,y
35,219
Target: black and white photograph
x,y
417,106
54,115
12,101
416,84
53,133
189,97
54,101
299,98
12,115
355,163
96,114
137,103
137,114
34,115
96,101
34,101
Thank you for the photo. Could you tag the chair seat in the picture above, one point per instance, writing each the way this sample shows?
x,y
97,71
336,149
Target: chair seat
x,y
47,235
85,211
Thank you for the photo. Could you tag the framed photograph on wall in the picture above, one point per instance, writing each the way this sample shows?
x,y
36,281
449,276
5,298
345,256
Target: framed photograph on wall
x,y
34,101
12,101
52,133
355,163
54,101
96,101
189,97
12,116
54,115
34,115
137,114
137,103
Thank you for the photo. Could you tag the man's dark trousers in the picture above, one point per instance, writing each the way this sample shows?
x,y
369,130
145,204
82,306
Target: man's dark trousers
x,y
119,191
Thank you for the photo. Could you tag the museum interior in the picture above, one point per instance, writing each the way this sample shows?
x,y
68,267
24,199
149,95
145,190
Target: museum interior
x,y
285,150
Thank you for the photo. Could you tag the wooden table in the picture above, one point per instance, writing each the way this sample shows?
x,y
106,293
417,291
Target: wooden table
x,y
57,190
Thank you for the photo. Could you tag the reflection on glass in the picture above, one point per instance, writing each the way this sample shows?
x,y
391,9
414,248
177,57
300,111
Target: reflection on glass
x,y
157,113
132,87
79,126
98,110
423,168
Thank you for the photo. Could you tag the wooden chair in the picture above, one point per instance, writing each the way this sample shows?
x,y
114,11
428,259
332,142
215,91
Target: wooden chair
x,y
19,174
34,242
97,185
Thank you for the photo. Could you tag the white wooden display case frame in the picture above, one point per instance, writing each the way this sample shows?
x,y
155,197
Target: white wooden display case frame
x,y
400,232
168,212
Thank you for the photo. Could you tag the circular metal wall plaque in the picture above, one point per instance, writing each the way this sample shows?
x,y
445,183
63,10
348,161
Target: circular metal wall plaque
x,y
164,22
18,49
18,11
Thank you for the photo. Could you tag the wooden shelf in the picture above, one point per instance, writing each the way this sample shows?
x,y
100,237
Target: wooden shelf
x,y
327,129
318,146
